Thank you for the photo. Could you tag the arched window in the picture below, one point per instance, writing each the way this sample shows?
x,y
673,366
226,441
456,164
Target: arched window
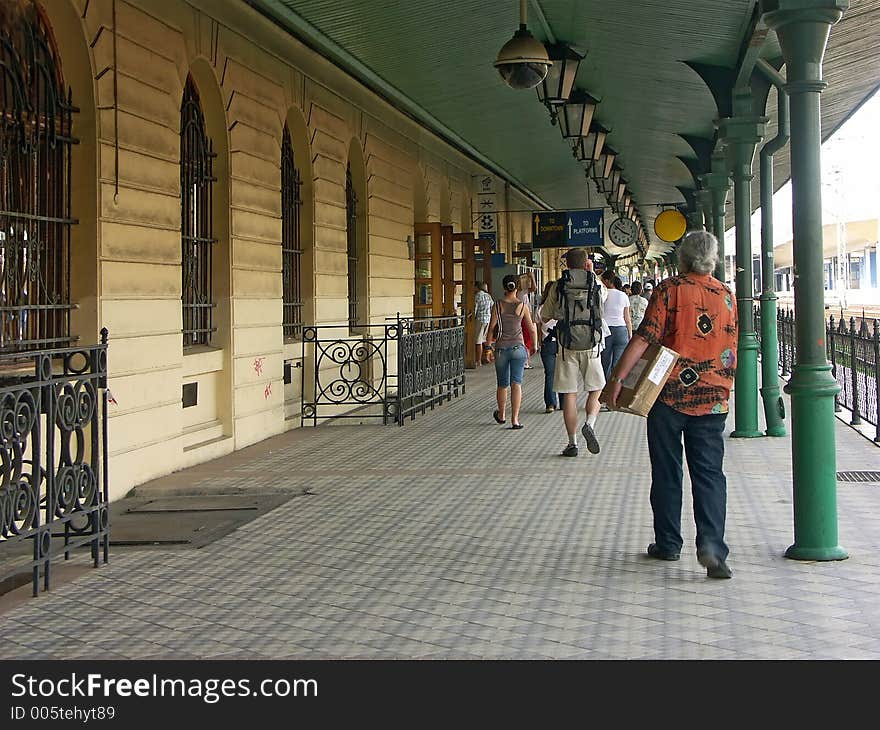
x,y
291,240
351,202
35,174
196,214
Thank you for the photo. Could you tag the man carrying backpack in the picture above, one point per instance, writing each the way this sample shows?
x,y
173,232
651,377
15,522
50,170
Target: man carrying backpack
x,y
576,304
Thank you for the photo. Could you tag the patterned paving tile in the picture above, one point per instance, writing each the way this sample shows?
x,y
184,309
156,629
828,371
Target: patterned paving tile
x,y
455,539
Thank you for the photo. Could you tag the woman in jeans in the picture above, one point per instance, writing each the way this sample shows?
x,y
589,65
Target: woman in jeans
x,y
549,348
511,315
616,316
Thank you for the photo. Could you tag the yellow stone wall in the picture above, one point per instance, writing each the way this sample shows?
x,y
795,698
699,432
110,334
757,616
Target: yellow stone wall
x,y
252,78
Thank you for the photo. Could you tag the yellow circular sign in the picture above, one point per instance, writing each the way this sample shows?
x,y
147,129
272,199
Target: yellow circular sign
x,y
670,225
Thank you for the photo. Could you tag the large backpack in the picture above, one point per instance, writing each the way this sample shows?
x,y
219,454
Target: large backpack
x,y
580,325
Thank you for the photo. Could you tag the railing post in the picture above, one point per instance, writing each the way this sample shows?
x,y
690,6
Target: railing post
x,y
783,359
832,346
854,373
400,371
876,341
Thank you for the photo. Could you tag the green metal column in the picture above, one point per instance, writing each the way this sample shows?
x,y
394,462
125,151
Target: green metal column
x,y
718,183
741,134
774,407
704,209
803,27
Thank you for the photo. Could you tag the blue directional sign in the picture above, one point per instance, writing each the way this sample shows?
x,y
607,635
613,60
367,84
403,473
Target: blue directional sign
x,y
565,228
585,227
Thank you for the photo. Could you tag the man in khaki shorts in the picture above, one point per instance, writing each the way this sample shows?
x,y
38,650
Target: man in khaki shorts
x,y
576,303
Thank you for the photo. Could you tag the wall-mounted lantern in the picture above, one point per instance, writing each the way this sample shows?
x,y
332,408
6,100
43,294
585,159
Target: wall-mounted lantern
x,y
556,87
577,114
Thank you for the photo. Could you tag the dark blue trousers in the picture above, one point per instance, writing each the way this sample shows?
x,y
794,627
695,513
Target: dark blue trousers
x,y
548,357
704,449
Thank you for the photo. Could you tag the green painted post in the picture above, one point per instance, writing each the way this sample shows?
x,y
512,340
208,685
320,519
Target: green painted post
x,y
741,134
718,184
803,27
774,407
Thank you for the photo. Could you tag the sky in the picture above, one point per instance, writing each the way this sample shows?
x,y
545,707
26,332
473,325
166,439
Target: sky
x,y
850,181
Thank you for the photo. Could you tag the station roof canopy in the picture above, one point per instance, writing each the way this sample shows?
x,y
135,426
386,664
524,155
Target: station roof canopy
x,y
645,63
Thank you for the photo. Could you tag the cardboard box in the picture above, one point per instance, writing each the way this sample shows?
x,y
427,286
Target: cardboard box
x,y
645,381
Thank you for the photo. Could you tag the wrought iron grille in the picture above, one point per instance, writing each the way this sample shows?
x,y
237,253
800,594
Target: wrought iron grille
x,y
351,202
53,425
853,350
291,241
358,376
36,118
430,364
196,225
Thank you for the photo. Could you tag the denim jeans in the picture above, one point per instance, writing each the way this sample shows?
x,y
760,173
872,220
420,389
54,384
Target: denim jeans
x,y
614,347
704,448
548,357
509,365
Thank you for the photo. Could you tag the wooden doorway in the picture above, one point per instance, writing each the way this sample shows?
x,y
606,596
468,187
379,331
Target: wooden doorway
x,y
477,258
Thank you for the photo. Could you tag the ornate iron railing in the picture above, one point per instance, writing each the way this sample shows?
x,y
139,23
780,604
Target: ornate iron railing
x,y
53,458
430,364
360,376
853,350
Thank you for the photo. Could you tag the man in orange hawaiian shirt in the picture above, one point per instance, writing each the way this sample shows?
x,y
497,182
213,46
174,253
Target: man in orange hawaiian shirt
x,y
695,315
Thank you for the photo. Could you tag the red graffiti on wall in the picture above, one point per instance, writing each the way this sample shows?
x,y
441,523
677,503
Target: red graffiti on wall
x,y
268,391
258,365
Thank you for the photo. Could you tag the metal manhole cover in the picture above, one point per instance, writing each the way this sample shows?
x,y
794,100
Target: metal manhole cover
x,y
858,476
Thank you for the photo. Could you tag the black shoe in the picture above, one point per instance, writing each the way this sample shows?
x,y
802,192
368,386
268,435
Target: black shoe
x,y
590,436
570,450
715,566
655,551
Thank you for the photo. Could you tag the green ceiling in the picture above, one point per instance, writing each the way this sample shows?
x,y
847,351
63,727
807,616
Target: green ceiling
x,y
439,56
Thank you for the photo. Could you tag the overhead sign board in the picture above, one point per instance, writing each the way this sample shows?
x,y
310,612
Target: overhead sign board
x,y
568,228
549,230
585,227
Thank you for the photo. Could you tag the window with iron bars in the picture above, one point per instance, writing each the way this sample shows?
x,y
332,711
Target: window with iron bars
x,y
35,173
291,241
351,202
196,225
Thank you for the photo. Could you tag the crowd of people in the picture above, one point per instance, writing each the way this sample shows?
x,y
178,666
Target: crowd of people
x,y
591,331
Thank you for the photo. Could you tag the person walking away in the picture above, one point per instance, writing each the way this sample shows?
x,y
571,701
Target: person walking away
x,y
637,305
482,315
694,314
512,317
549,348
616,315
575,302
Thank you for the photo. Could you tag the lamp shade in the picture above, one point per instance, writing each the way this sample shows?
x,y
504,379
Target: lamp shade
x,y
557,84
577,114
609,155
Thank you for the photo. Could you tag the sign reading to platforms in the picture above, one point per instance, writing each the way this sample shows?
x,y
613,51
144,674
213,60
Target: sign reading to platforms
x,y
567,228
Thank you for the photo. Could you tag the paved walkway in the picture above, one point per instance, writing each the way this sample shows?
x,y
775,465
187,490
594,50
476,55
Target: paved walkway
x,y
454,537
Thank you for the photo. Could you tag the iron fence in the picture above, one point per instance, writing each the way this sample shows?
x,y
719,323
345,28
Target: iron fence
x,y
430,364
358,374
853,350
53,458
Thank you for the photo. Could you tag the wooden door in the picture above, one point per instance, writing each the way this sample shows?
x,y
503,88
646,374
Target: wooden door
x,y
477,266
428,298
